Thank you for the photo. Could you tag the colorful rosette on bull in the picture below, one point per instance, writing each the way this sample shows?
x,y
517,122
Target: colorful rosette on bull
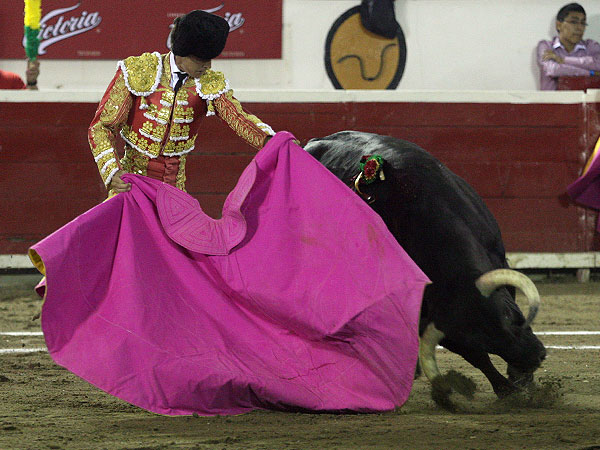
x,y
33,15
371,167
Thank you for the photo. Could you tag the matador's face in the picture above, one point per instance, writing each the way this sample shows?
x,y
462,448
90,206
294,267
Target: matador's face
x,y
193,66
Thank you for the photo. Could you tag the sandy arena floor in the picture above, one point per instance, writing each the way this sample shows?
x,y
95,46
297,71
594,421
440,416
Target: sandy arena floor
x,y
42,406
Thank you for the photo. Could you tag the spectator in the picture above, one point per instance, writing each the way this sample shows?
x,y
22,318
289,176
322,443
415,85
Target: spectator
x,y
568,54
9,80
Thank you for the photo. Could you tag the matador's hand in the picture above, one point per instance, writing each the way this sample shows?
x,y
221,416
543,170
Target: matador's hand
x,y
118,185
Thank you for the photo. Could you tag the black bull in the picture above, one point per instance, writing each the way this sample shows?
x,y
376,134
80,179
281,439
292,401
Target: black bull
x,y
445,227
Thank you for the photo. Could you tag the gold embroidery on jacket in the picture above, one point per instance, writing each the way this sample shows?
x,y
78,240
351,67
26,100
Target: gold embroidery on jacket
x,y
142,71
183,115
244,124
113,113
212,82
179,132
179,147
134,162
140,143
168,97
117,97
180,179
154,131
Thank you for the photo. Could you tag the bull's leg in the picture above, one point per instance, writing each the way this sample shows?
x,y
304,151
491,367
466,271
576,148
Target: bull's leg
x,y
481,360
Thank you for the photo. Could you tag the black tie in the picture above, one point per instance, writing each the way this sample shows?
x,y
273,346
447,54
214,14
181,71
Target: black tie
x,y
181,77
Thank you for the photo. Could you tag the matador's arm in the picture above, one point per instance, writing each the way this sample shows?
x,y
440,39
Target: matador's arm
x,y
110,116
246,125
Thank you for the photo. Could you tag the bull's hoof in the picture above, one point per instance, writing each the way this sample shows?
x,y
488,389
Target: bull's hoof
x,y
461,384
444,385
543,395
440,393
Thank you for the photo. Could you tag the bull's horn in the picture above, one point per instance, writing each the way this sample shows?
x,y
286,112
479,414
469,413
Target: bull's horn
x,y
430,339
357,182
492,280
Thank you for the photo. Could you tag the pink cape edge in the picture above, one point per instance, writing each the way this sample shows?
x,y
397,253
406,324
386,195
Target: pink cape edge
x,y
586,189
315,308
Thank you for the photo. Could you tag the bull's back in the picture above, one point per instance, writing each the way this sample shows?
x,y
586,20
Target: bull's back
x,y
434,213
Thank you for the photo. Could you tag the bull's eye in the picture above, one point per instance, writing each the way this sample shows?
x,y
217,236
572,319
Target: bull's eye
x,y
507,318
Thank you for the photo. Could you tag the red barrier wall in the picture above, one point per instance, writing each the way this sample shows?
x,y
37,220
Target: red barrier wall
x,y
519,157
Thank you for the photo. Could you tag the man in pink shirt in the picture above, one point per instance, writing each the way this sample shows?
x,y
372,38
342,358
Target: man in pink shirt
x,y
568,54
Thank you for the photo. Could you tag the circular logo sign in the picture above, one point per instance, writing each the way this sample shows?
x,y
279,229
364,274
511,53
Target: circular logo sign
x,y
355,58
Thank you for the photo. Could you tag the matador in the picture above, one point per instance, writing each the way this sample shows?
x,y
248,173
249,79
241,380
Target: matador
x,y
156,103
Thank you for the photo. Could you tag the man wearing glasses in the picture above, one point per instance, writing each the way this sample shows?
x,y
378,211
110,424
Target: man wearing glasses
x,y
568,55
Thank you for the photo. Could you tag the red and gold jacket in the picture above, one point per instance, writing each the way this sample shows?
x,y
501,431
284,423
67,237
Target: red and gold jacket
x,y
158,126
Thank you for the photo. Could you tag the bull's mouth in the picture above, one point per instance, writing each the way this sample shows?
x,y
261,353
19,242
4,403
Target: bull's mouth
x,y
521,374
519,377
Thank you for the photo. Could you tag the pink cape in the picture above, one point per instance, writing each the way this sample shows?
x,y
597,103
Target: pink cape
x,y
586,189
298,299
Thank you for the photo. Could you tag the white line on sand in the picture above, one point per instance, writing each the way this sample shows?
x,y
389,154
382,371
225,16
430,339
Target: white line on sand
x,y
559,347
554,347
21,333
539,333
23,350
568,333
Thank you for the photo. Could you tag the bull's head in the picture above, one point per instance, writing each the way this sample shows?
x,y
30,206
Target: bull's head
x,y
506,333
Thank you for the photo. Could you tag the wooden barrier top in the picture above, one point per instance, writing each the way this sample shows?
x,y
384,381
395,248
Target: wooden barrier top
x,y
336,96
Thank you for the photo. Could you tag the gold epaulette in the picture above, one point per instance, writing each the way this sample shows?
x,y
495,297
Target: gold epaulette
x,y
142,73
211,85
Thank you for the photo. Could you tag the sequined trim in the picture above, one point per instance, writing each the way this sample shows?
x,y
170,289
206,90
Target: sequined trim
x,y
181,178
173,148
156,119
110,176
149,136
101,155
107,164
211,85
133,139
142,73
135,162
155,132
266,128
243,123
183,152
117,97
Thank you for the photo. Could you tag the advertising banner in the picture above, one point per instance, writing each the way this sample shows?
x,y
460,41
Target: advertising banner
x,y
94,29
